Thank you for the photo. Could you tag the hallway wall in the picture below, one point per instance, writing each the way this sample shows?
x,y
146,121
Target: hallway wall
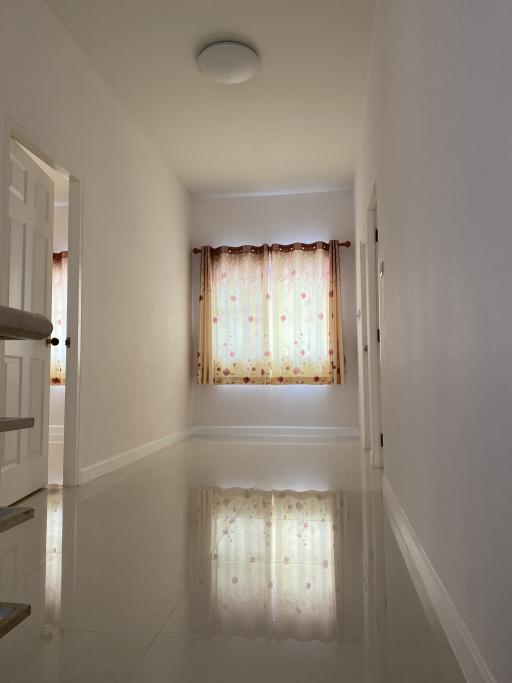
x,y
437,139
135,369
280,218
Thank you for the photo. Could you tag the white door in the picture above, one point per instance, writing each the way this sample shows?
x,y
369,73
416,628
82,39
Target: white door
x,y
27,257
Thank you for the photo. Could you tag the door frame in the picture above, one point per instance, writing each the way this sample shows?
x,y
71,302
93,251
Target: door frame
x,y
365,367
369,282
15,131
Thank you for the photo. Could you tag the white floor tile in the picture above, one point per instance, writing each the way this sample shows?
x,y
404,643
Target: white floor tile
x,y
118,574
255,661
60,656
423,669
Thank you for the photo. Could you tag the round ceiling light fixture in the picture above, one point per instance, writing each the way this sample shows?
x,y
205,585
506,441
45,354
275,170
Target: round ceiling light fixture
x,y
228,62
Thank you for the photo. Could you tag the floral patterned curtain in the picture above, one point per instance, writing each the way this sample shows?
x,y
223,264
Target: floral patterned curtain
x,y
241,342
204,354
271,315
59,317
276,571
336,353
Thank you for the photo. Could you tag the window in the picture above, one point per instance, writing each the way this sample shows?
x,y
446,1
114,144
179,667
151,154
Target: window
x,y
271,315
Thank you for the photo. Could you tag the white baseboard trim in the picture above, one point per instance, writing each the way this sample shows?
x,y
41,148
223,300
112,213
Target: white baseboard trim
x,y
466,651
281,432
56,434
91,472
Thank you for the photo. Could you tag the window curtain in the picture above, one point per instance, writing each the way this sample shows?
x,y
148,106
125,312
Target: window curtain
x,y
336,351
59,317
271,315
204,354
276,571
240,323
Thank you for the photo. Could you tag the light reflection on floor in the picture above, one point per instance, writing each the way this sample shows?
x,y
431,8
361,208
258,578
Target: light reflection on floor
x,y
220,560
53,583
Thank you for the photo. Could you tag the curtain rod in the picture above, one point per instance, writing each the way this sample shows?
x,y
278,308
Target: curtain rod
x,y
289,247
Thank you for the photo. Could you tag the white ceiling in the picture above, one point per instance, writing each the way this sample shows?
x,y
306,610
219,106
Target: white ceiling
x,y
293,127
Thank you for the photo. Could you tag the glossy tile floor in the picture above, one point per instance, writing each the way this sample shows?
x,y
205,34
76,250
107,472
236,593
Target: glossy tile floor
x,y
195,566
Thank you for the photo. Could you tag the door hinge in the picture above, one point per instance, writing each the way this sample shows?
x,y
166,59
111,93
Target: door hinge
x,y
381,440
378,336
376,234
68,342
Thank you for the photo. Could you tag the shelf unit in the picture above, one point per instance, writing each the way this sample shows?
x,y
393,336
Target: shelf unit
x,y
17,325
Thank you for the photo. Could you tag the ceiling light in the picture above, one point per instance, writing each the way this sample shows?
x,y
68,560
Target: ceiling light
x,y
228,62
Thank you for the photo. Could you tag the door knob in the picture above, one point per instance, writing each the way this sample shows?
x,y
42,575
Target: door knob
x,y
53,341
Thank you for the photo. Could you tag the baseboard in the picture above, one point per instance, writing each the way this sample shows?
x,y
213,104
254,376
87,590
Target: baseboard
x,y
120,460
468,655
282,432
56,434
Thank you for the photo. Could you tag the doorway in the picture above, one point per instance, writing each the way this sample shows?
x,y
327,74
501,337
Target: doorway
x,y
41,241
371,275
57,342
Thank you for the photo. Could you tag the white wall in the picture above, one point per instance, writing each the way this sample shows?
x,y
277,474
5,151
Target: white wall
x,y
57,404
437,136
280,218
60,228
135,366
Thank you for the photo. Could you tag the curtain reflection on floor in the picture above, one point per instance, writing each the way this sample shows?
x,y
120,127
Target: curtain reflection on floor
x,y
50,656
53,581
276,571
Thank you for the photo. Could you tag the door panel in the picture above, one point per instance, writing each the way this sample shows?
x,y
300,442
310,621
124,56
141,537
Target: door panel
x,y
29,243
19,178
17,259
39,273
12,407
38,383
